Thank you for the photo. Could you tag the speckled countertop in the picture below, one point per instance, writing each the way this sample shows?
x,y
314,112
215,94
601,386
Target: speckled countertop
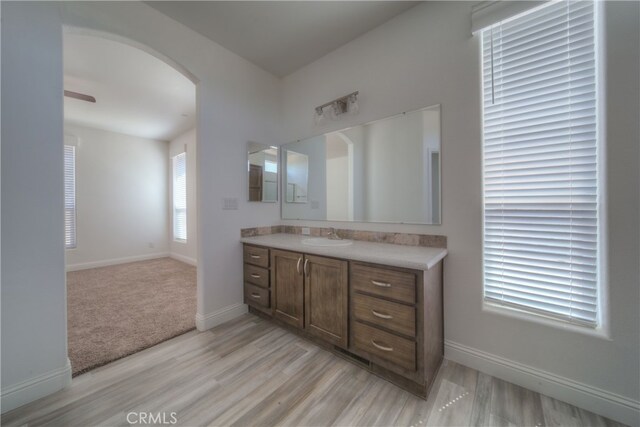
x,y
415,257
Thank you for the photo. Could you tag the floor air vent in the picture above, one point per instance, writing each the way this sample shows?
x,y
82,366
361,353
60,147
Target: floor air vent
x,y
353,357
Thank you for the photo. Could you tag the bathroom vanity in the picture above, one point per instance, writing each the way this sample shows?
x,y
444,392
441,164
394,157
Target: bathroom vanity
x,y
376,304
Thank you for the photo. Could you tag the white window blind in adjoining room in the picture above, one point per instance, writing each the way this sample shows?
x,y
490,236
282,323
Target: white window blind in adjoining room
x,y
180,197
541,162
69,196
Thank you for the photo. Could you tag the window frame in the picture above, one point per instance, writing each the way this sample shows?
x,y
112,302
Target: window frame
x,y
602,328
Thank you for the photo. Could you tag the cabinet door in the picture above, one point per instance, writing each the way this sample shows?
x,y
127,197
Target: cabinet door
x,y
326,298
287,283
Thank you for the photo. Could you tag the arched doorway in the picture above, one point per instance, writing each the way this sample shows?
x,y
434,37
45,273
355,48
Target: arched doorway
x,y
128,286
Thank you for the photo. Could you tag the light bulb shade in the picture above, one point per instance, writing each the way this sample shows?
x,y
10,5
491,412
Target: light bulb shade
x,y
319,117
352,104
331,112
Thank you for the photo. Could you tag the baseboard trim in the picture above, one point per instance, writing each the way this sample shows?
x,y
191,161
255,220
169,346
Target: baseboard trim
x,y
218,317
185,259
115,261
605,403
35,388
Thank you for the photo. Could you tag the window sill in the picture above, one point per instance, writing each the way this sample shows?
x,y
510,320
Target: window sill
x,y
183,241
601,332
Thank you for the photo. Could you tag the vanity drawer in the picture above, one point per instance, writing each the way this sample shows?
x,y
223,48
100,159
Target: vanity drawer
x,y
256,275
390,315
256,295
392,348
256,255
383,282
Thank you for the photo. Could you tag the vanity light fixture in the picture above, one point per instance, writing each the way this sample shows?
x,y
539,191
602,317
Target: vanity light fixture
x,y
334,109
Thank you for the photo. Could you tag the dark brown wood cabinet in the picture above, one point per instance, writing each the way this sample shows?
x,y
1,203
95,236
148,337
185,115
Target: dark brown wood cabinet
x,y
312,293
257,284
387,319
288,287
327,298
396,322
255,255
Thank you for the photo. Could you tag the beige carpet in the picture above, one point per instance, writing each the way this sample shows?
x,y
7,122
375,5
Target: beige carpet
x,y
119,310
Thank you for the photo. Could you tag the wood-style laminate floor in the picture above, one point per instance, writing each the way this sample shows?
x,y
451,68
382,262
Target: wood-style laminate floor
x,y
249,372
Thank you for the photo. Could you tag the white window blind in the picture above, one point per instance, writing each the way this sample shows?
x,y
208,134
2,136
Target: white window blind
x,y
541,162
180,197
69,196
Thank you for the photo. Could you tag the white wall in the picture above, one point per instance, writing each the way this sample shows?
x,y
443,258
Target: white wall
x,y
186,251
427,56
34,340
237,102
121,198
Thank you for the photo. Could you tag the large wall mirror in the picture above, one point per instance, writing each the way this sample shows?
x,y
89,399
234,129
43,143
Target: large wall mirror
x,y
263,172
297,177
383,171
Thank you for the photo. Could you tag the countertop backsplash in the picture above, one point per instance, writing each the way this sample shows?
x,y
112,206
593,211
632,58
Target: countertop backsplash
x,y
407,239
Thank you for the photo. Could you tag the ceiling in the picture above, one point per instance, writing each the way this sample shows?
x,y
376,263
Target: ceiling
x,y
136,93
281,36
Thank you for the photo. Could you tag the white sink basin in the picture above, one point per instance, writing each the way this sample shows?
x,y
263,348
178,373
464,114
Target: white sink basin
x,y
326,242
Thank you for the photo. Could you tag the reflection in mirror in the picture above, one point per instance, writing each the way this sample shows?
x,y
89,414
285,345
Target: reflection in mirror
x,y
297,177
383,171
263,173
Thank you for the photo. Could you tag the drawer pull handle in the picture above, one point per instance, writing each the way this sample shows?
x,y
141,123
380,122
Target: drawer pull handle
x,y
298,265
255,276
306,271
256,296
381,284
380,315
255,256
381,347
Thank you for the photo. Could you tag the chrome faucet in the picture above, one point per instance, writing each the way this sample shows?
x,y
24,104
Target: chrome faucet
x,y
333,235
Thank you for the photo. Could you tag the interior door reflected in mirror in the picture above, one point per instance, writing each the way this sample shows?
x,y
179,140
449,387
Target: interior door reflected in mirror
x,y
297,177
383,171
263,172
